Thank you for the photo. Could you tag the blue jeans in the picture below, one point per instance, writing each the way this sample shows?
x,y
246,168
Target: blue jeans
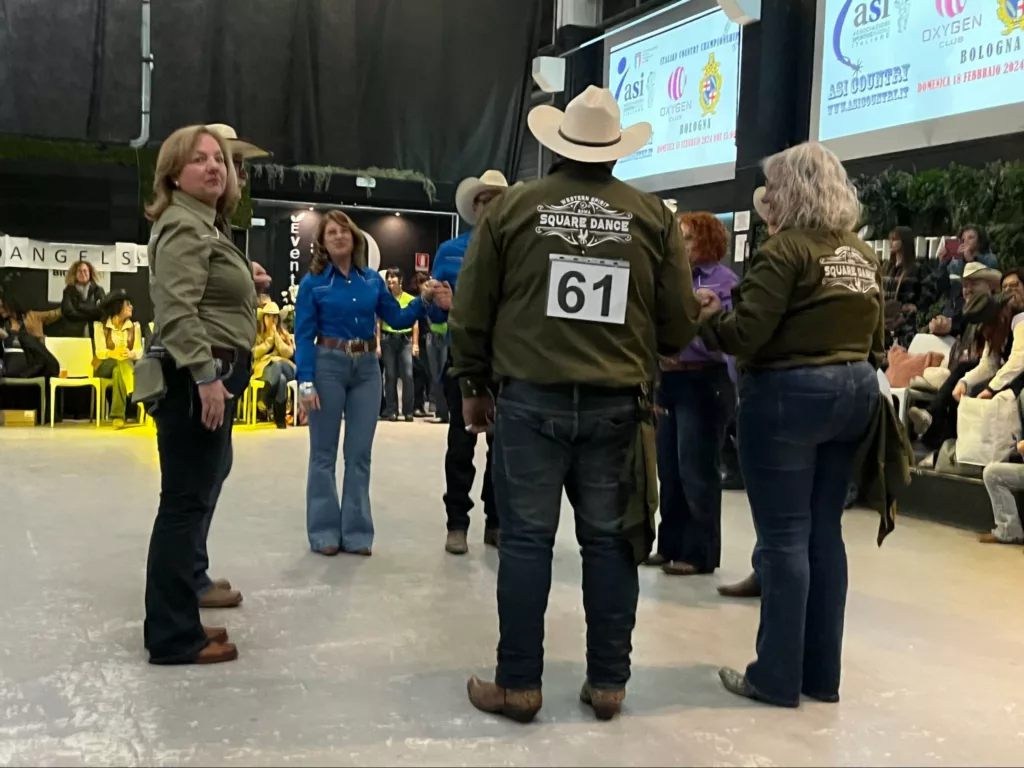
x,y
699,405
278,375
437,354
546,439
799,430
396,352
348,386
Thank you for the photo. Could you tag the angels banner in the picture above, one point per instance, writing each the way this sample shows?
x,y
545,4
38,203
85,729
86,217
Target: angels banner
x,y
25,253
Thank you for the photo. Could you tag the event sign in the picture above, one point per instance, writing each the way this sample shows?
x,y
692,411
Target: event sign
x,y
684,81
887,63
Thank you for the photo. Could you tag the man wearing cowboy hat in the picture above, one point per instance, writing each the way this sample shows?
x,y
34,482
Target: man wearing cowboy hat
x,y
241,151
572,285
218,593
471,197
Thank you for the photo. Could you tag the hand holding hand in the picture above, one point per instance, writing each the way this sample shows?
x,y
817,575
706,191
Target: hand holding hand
x,y
260,277
959,391
478,413
443,296
709,302
213,395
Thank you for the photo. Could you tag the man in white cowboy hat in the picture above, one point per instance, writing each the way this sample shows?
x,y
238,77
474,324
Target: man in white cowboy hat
x,y
242,150
572,285
219,593
471,198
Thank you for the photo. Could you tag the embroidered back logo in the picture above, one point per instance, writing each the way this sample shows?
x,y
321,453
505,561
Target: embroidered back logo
x,y
584,221
849,269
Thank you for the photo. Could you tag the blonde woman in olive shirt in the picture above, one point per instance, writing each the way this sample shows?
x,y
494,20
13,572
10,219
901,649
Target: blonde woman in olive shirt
x,y
806,334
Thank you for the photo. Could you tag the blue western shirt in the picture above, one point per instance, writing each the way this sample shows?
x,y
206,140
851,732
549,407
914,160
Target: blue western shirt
x,y
332,306
447,264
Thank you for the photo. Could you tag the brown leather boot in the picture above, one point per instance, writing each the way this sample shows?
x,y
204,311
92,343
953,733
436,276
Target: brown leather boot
x,y
217,597
222,583
216,634
492,537
217,653
605,703
455,543
749,587
521,706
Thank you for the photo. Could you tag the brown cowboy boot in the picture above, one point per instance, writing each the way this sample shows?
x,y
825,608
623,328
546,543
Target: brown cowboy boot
x,y
521,706
749,587
605,703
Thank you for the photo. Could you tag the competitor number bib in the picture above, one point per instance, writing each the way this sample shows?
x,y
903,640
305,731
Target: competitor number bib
x,y
583,288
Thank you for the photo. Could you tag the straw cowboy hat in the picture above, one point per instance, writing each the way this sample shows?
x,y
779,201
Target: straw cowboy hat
x,y
469,188
589,130
978,271
239,147
759,205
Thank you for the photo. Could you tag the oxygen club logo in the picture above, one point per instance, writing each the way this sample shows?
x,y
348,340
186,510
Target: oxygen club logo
x,y
950,8
677,84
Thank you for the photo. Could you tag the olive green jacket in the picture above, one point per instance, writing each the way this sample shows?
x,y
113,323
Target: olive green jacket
x,y
201,285
809,297
499,323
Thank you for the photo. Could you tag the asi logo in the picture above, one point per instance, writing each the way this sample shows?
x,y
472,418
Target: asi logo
x,y
629,90
950,8
710,86
870,24
1011,13
677,84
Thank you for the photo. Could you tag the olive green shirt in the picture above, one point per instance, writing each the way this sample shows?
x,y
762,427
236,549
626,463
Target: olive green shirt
x,y
810,297
201,285
500,324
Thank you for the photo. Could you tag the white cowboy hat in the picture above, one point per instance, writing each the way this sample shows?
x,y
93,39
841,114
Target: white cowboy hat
x,y
469,188
589,130
671,205
978,271
239,147
759,204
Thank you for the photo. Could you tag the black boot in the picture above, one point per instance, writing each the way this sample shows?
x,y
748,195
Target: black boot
x,y
280,415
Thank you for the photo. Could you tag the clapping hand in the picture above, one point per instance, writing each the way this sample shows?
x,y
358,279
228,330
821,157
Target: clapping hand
x,y
709,302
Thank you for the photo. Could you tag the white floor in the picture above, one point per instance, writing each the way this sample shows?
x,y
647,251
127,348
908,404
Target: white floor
x,y
350,661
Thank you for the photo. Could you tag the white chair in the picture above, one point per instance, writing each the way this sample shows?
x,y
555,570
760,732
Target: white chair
x,y
75,357
921,344
293,387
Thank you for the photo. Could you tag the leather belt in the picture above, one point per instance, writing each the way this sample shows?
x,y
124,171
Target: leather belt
x,y
228,355
349,346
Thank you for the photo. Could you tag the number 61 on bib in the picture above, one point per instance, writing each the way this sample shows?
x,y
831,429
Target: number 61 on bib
x,y
583,288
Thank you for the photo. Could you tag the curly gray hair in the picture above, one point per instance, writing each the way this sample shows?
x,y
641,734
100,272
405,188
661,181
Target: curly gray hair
x,y
808,189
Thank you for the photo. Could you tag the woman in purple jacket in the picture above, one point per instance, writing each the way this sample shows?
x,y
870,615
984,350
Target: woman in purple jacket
x,y
697,397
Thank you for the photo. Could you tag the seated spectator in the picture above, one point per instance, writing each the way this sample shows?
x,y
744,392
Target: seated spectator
x,y
117,344
999,338
1002,479
25,355
80,302
902,288
977,279
272,361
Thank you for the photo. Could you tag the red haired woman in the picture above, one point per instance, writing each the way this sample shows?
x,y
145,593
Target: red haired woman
x,y
698,398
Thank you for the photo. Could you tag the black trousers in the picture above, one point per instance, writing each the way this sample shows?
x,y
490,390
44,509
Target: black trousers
x,y
193,463
459,471
943,408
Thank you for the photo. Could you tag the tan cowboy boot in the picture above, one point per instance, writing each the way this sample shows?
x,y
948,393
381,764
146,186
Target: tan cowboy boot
x,y
521,706
605,703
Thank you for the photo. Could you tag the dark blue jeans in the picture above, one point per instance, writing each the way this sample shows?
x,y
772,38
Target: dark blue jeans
x,y
699,405
798,432
548,438
396,352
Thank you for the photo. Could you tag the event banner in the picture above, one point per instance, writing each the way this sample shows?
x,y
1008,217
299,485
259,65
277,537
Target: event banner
x,y
886,63
24,253
684,81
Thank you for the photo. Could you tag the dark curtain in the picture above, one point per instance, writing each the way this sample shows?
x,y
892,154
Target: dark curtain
x,y
436,86
584,67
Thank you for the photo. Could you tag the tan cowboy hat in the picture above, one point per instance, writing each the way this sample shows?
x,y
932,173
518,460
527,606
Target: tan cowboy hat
x,y
759,205
978,271
270,308
589,130
469,188
239,147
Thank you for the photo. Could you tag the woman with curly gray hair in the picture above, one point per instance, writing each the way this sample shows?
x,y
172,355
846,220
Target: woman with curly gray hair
x,y
807,333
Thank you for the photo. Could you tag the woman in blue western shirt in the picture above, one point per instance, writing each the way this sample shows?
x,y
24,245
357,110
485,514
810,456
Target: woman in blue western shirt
x,y
336,315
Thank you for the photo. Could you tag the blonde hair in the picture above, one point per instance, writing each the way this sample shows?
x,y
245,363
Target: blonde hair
x,y
321,258
809,189
175,154
69,278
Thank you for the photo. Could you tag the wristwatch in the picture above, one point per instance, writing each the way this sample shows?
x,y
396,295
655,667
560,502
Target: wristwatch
x,y
306,388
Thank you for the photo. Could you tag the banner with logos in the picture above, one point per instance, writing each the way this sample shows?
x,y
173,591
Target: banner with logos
x,y
888,63
25,253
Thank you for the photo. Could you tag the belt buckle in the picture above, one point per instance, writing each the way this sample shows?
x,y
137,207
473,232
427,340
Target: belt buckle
x,y
349,348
